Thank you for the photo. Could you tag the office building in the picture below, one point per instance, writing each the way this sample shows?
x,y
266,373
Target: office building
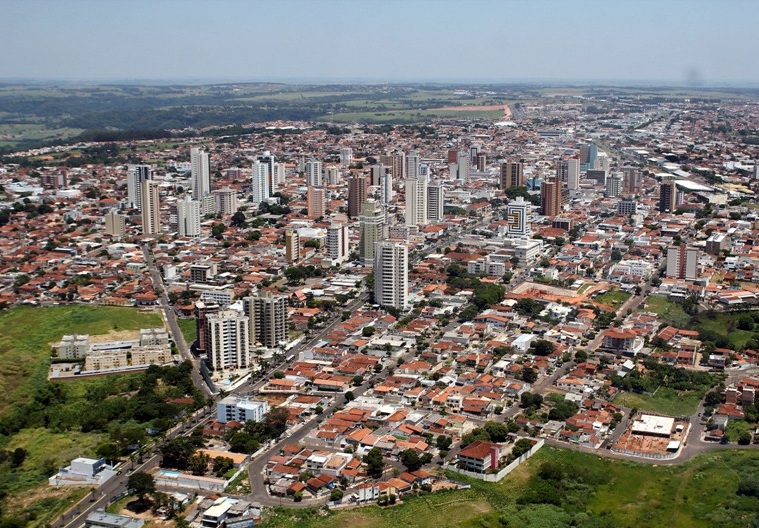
x,y
150,208
568,172
597,175
512,174
200,167
435,202
551,197
188,217
115,224
292,246
628,206
614,185
225,201
371,221
267,318
518,218
416,202
391,275
668,199
260,190
315,202
314,173
357,193
588,155
136,176
338,242
227,339
234,408
682,262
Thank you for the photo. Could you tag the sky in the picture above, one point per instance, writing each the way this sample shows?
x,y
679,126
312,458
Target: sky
x,y
685,42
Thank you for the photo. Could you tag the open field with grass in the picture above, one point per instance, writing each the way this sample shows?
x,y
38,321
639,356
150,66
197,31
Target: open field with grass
x,y
603,494
724,325
665,401
28,333
189,330
670,312
613,298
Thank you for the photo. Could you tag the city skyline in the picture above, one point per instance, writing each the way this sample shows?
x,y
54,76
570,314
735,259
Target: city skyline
x,y
683,43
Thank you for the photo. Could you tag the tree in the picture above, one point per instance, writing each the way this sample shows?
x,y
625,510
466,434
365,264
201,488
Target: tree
x,y
349,396
375,463
496,431
141,484
367,331
542,347
444,442
529,375
358,380
238,219
275,422
336,495
410,459
18,456
528,399
521,446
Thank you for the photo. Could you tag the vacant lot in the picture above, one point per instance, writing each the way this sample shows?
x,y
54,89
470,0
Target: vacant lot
x,y
700,493
670,312
665,401
29,331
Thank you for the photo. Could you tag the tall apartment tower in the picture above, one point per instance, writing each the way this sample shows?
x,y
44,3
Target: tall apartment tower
x,y
228,339
314,173
338,242
459,170
188,217
115,224
391,275
397,163
435,202
151,208
614,185
668,195
387,188
376,172
357,193
416,201
482,161
333,175
682,262
512,174
278,171
136,176
200,166
568,171
267,316
292,245
346,155
226,201
371,222
413,166
260,182
551,199
518,218
315,202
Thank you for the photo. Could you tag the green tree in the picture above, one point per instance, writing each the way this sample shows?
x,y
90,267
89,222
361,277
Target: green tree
x,y
529,375
375,462
410,459
141,484
521,446
542,347
336,495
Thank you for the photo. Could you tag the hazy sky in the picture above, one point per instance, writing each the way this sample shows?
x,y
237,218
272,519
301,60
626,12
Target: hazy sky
x,y
683,41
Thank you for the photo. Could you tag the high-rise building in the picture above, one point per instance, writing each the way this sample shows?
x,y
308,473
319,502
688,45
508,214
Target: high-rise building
x,y
460,171
376,173
482,161
188,217
136,176
435,202
292,245
391,275
416,202
338,242
632,181
397,163
226,201
668,195
387,188
551,199
267,316
588,155
315,202
357,193
115,224
614,185
682,262
278,176
260,182
201,174
333,175
371,221
346,155
151,208
228,339
413,162
568,171
512,174
518,218
314,173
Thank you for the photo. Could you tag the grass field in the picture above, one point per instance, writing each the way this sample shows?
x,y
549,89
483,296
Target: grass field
x,y
29,331
670,312
699,493
665,401
613,298
724,324
189,330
